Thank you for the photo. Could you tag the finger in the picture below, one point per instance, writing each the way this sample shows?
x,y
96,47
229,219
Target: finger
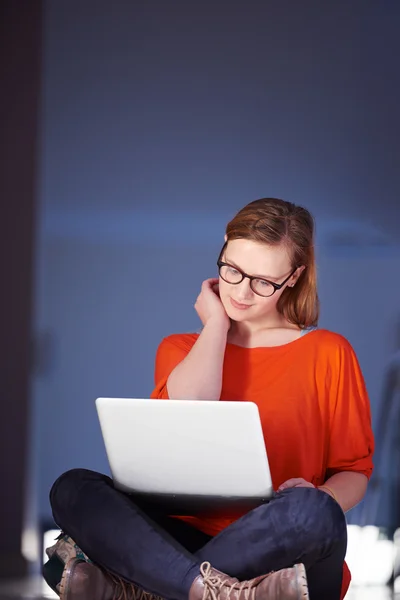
x,y
291,483
305,484
208,283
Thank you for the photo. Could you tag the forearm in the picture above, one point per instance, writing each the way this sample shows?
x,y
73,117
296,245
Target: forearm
x,y
199,375
347,487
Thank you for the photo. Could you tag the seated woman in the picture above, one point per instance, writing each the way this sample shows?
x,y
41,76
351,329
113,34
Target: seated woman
x,y
259,343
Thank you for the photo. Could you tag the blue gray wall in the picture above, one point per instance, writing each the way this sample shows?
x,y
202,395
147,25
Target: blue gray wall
x,y
159,121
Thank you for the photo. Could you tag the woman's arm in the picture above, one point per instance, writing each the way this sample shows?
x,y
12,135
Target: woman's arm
x,y
199,375
347,488
351,441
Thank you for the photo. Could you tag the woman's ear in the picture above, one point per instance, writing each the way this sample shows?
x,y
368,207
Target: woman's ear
x,y
225,238
296,276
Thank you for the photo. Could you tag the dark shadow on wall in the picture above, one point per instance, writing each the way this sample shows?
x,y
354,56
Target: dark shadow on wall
x,y
20,51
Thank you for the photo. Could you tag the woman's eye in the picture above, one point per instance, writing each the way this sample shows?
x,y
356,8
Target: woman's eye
x,y
263,283
233,271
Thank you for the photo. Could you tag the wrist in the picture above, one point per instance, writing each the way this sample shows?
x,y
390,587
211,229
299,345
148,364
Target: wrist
x,y
218,324
328,490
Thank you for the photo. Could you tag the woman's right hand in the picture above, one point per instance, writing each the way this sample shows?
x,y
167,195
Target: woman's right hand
x,y
208,304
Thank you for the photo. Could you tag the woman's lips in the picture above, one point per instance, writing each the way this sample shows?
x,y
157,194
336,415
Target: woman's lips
x,y
239,306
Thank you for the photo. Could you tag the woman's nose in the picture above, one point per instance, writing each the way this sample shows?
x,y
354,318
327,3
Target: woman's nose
x,y
245,290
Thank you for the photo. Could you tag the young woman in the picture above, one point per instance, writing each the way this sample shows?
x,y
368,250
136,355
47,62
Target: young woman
x,y
259,343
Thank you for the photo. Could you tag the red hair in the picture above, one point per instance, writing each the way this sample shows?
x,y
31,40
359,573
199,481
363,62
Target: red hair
x,y
272,221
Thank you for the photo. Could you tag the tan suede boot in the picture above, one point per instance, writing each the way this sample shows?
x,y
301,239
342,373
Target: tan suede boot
x,y
85,581
287,584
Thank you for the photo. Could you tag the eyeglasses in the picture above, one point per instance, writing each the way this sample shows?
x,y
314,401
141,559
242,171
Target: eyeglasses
x,y
261,287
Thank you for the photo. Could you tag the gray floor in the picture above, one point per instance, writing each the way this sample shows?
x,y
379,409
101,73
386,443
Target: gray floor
x,y
34,588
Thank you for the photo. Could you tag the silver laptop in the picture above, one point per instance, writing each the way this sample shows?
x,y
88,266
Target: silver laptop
x,y
185,454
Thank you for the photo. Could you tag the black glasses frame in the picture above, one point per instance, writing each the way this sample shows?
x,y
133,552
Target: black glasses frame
x,y
276,286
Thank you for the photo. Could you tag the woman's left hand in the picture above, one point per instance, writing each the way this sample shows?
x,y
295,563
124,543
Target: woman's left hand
x,y
295,482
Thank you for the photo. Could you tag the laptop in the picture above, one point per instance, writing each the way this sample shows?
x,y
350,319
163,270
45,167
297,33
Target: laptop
x,y
187,456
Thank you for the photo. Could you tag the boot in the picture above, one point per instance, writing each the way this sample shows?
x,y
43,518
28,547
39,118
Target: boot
x,y
85,581
286,584
59,554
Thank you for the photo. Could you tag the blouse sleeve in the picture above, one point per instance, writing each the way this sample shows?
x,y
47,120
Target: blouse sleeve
x,y
351,442
169,354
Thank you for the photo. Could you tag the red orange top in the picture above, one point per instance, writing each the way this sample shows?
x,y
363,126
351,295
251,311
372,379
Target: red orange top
x,y
313,405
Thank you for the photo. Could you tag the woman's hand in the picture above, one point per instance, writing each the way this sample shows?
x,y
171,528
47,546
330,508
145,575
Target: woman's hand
x,y
296,482
208,304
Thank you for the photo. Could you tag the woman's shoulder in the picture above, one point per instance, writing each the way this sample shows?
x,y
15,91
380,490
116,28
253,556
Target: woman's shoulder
x,y
331,339
330,343
185,341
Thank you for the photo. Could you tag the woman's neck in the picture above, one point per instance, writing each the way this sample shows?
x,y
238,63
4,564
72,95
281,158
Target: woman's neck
x,y
272,332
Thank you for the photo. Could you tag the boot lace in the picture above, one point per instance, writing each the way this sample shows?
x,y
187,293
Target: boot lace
x,y
214,582
124,590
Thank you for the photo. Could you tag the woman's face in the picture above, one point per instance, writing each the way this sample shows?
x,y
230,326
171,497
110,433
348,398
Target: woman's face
x,y
260,260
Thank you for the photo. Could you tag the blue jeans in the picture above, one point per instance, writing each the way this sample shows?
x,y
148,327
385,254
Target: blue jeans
x,y
163,555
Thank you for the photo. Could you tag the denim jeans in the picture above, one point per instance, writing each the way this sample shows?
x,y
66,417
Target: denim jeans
x,y
163,555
